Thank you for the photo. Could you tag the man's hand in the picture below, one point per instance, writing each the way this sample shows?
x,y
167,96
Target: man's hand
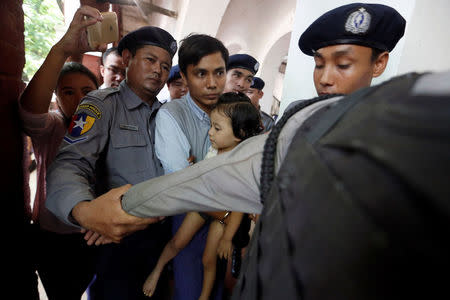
x,y
105,216
94,238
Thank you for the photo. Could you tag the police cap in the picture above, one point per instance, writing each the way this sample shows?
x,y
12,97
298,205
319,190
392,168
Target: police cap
x,y
174,74
258,83
371,25
243,61
148,35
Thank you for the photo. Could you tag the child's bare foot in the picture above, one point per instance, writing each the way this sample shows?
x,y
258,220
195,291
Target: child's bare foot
x,y
150,283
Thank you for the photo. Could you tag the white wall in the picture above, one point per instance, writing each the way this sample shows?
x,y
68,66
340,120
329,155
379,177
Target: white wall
x,y
298,82
427,42
269,70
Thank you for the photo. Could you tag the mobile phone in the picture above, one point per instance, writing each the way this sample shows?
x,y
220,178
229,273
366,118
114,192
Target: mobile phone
x,y
104,32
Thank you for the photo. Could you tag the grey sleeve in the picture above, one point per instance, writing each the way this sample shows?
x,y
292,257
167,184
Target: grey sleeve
x,y
229,181
70,177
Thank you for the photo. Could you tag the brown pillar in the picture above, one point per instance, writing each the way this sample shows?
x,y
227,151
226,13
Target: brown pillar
x,y
17,239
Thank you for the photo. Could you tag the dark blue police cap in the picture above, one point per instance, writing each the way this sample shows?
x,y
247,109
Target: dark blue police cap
x,y
258,83
371,25
148,35
174,74
243,61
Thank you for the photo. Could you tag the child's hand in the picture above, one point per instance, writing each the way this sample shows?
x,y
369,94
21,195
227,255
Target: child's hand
x,y
224,249
253,217
191,160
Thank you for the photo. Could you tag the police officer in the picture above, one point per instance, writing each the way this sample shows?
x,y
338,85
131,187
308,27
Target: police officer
x,y
109,143
176,85
255,94
358,51
241,69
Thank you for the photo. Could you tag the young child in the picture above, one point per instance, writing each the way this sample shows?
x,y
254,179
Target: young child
x,y
233,120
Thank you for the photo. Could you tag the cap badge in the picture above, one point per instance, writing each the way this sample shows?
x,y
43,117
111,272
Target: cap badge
x,y
358,22
256,67
173,46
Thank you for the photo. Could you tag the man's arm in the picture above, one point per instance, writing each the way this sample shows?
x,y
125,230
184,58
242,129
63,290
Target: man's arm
x,y
229,181
71,176
105,216
38,93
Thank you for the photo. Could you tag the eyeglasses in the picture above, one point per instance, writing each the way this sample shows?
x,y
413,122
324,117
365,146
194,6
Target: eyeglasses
x,y
116,71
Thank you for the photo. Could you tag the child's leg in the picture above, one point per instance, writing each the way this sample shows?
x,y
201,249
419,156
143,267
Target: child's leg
x,y
210,258
191,224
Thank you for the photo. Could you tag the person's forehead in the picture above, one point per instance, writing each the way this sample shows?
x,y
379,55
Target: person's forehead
x,y
218,116
343,49
244,72
178,81
75,80
210,62
113,57
155,51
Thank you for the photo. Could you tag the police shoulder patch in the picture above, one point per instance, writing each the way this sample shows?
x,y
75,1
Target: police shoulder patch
x,y
80,124
92,108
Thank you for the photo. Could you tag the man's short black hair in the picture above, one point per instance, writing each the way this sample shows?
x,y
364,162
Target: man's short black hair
x,y
108,52
196,46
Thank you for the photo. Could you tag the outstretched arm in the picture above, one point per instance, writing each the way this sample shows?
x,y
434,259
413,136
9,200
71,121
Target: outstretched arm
x,y
38,94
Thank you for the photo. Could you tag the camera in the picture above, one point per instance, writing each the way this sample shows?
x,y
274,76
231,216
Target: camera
x,y
104,32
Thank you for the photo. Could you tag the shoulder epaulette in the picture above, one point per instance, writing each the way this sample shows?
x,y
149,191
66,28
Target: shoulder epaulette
x,y
102,94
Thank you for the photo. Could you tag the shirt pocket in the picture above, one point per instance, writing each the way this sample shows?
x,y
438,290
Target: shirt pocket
x,y
129,151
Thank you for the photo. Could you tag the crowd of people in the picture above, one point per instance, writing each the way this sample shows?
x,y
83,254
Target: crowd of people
x,y
144,197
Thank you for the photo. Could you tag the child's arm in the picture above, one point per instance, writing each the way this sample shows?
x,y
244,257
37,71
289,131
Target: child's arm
x,y
225,244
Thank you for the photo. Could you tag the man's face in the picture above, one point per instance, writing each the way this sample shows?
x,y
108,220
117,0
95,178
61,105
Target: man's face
x,y
206,80
255,95
238,80
113,71
147,71
177,88
342,69
71,88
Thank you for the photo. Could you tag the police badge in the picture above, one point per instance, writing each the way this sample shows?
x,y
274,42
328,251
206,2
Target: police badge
x,y
256,67
358,22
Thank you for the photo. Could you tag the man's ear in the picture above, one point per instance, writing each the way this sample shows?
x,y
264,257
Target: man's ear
x,y
126,57
380,64
102,70
184,77
261,94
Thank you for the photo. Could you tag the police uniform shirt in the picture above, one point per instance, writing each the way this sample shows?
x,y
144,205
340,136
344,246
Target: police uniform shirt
x,y
109,143
229,181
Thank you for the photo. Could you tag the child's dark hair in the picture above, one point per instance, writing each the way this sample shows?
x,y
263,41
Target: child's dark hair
x,y
74,67
245,118
196,46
